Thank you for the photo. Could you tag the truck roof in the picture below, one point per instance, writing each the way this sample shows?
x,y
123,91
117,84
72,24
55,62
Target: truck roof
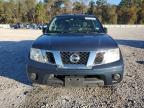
x,y
75,15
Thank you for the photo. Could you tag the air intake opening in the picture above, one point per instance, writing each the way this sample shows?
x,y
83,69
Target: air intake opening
x,y
50,57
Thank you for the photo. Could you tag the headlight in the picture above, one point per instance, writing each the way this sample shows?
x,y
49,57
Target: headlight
x,y
107,56
111,55
38,55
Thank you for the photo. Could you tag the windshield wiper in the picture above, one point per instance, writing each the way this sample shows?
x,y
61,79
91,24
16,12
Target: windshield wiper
x,y
88,32
61,32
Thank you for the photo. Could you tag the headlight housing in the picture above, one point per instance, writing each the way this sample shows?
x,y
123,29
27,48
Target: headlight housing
x,y
107,56
38,55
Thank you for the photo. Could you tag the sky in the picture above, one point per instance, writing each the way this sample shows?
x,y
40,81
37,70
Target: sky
x,y
114,1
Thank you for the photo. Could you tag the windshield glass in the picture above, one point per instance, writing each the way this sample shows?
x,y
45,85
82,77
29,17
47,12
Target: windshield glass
x,y
75,25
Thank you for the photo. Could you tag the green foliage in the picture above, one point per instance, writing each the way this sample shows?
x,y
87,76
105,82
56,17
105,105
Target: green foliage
x,y
101,3
112,15
78,7
127,15
40,13
127,12
128,3
1,11
7,14
91,7
140,14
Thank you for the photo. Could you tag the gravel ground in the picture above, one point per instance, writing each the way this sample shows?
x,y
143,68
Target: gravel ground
x,y
16,91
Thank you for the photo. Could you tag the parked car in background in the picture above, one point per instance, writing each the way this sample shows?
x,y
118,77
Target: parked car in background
x,y
27,26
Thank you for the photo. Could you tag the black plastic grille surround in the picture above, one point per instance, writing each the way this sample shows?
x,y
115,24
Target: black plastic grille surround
x,y
65,56
50,57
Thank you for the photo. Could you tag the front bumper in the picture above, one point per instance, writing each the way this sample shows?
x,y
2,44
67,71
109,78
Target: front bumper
x,y
102,72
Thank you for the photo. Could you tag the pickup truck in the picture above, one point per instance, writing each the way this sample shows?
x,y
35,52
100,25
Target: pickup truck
x,y
75,50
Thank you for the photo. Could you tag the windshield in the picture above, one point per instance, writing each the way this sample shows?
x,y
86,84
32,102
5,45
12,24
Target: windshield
x,y
75,25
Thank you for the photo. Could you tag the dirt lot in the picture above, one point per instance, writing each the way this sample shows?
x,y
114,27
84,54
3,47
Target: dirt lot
x,y
16,90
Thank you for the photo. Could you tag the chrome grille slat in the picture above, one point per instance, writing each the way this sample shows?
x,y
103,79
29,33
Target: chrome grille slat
x,y
58,59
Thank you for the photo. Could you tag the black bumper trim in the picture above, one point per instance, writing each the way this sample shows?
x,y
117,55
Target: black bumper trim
x,y
105,74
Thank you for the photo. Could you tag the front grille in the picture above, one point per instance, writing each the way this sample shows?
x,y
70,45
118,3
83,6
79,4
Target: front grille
x,y
66,57
50,57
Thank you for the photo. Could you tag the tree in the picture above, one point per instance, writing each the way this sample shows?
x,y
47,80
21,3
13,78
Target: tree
x,y
132,15
30,9
1,11
67,6
112,15
127,15
101,3
56,7
8,13
140,14
40,13
46,1
77,7
129,3
127,12
125,3
91,7
101,10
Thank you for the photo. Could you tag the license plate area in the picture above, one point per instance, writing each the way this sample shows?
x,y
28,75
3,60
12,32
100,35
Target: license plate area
x,y
74,81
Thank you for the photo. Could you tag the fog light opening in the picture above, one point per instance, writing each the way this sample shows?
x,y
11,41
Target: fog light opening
x,y
33,76
116,77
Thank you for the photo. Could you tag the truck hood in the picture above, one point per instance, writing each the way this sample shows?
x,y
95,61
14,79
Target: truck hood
x,y
74,42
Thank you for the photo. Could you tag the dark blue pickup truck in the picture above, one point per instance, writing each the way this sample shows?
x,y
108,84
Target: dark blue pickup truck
x,y
75,50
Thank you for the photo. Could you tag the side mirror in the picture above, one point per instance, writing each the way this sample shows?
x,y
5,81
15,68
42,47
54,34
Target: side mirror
x,y
44,29
105,30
